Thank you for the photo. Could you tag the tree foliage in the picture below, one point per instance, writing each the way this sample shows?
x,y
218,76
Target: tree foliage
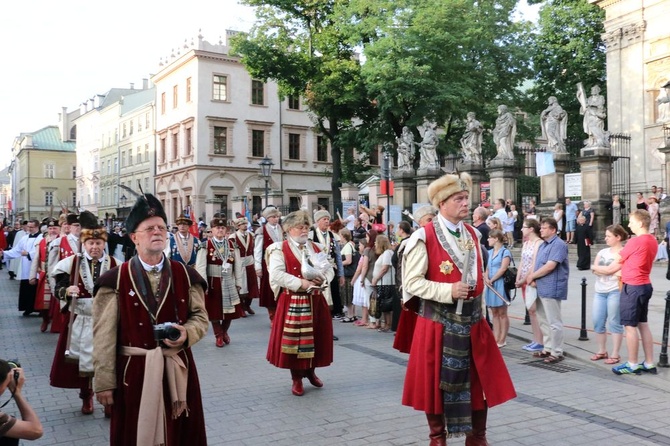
x,y
567,49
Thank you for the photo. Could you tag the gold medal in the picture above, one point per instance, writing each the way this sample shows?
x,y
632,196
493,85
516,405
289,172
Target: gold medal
x,y
446,267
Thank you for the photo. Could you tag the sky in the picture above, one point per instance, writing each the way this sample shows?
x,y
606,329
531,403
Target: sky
x,y
60,53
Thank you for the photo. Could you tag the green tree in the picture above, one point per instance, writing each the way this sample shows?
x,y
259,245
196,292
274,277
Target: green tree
x,y
567,49
437,60
298,44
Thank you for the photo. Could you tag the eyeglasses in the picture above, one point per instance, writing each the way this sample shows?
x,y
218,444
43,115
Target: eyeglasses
x,y
150,229
208,232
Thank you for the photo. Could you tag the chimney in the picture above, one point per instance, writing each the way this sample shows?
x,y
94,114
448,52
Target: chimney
x,y
63,124
132,86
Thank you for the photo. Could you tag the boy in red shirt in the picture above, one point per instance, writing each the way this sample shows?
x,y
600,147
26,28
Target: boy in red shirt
x,y
637,258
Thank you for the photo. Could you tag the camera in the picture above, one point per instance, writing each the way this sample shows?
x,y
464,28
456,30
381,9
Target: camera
x,y
166,330
15,364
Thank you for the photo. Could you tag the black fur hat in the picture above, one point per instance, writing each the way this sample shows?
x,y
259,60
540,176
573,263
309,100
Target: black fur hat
x,y
90,227
72,218
145,207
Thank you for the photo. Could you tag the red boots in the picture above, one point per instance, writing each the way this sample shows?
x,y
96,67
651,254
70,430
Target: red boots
x,y
297,389
313,379
87,404
478,435
438,433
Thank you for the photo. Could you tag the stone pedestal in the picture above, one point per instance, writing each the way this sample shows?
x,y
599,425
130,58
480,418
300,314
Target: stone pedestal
x,y
477,173
309,200
552,186
423,178
503,175
349,192
596,168
404,193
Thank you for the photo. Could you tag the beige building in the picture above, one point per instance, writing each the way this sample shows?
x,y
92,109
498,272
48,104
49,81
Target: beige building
x,y
215,124
637,37
42,172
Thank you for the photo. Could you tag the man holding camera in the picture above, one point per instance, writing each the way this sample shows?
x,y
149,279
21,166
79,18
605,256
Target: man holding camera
x,y
75,277
144,367
29,426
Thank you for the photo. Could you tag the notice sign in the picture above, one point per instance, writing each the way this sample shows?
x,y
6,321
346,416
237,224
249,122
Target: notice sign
x,y
573,185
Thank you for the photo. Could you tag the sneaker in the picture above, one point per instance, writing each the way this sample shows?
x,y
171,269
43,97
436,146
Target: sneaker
x,y
626,369
649,369
527,346
535,347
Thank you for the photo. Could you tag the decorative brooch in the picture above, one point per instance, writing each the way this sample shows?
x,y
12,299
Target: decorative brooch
x,y
446,267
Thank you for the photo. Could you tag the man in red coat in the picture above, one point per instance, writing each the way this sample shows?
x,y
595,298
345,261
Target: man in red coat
x,y
455,370
269,233
243,242
38,273
63,247
144,368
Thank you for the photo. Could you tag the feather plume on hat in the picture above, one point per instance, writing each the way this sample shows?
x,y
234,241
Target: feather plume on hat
x,y
146,206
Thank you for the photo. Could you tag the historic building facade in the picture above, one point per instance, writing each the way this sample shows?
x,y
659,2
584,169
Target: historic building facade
x,y
637,37
215,124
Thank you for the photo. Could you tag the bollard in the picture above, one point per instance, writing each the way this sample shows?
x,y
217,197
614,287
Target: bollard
x,y
526,320
583,336
663,358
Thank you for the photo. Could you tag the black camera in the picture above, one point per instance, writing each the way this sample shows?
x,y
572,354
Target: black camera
x,y
166,330
14,364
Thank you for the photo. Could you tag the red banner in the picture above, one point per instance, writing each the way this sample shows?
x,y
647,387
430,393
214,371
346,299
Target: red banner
x,y
383,184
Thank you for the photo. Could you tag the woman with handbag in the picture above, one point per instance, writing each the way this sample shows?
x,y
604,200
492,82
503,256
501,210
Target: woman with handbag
x,y
495,295
383,282
532,241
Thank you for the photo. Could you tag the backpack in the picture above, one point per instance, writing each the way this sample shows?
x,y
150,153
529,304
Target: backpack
x,y
350,269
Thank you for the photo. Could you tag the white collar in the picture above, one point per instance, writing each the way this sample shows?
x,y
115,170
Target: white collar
x,y
89,258
148,267
449,225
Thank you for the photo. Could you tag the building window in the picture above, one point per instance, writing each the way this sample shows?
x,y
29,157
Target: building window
x,y
293,204
321,149
124,132
324,202
374,157
130,157
48,198
175,96
116,165
188,89
109,167
96,158
146,183
161,149
74,172
49,171
74,198
258,143
175,146
220,88
256,204
123,159
187,137
257,92
220,140
163,103
139,155
146,152
294,102
294,146
132,124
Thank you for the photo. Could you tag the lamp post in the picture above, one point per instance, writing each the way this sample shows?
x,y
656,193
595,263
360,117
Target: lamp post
x,y
266,172
386,176
122,202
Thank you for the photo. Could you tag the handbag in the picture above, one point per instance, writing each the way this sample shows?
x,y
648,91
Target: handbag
x,y
385,296
509,278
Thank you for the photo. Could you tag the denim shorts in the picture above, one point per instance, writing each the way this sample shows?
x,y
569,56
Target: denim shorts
x,y
570,225
634,304
606,311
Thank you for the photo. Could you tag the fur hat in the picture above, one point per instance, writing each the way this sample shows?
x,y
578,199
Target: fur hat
x,y
318,215
218,220
183,220
240,221
447,185
270,211
51,222
146,206
423,211
72,218
296,218
90,228
62,219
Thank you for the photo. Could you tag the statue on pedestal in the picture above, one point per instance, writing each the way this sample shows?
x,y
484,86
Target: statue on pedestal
x,y
663,102
405,150
594,111
471,141
554,122
504,134
428,148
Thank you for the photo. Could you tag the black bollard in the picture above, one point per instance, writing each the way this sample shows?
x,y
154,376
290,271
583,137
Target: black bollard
x,y
526,320
663,358
583,336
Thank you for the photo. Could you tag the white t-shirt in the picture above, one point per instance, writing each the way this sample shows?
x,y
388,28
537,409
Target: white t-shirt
x,y
385,259
605,284
350,222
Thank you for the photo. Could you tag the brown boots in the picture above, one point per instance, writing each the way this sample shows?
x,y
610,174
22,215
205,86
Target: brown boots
x,y
87,404
478,435
438,433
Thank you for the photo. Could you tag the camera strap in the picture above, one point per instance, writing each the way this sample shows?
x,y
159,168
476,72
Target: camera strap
x,y
10,398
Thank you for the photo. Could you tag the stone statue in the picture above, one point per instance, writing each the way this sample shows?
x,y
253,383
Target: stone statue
x,y
504,134
405,150
471,141
428,148
663,102
594,111
554,122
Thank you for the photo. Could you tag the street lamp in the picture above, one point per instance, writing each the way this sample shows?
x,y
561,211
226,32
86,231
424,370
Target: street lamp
x,y
266,172
123,200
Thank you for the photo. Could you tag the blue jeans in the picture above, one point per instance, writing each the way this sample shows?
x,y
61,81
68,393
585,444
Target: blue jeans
x,y
606,309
